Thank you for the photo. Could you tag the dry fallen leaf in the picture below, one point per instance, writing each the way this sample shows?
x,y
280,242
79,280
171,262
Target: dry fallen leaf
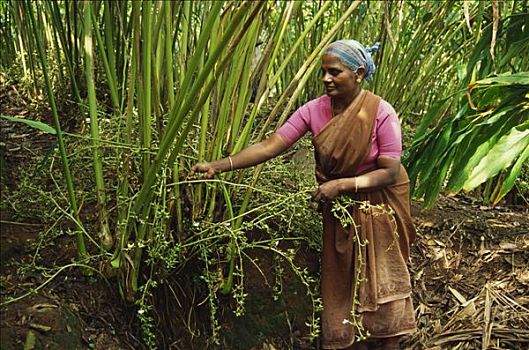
x,y
459,297
508,245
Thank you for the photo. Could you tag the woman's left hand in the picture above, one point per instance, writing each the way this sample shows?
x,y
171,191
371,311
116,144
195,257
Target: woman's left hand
x,y
326,191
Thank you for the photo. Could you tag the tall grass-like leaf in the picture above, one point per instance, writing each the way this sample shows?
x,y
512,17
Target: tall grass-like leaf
x,y
109,69
108,8
169,52
183,104
146,118
146,192
123,184
81,247
59,28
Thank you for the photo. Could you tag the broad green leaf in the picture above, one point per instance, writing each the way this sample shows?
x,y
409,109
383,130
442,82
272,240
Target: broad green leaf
x,y
32,123
498,114
435,185
482,138
521,78
436,160
508,183
516,34
499,157
438,108
516,49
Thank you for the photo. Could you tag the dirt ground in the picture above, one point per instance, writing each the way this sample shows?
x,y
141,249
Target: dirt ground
x,y
471,277
469,269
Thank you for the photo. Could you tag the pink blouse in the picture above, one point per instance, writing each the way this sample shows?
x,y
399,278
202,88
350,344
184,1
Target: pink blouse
x,y
314,115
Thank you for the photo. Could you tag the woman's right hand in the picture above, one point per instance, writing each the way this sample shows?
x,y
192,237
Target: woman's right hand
x,y
207,168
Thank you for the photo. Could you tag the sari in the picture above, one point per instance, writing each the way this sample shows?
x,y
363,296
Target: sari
x,y
374,274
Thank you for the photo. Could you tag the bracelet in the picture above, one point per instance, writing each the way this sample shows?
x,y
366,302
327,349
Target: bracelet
x,y
231,163
356,184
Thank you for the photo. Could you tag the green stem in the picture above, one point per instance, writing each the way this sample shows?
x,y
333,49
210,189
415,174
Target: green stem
x,y
147,86
81,248
109,71
106,237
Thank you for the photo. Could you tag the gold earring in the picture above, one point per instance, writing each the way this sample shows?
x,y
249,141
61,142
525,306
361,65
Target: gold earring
x,y
358,80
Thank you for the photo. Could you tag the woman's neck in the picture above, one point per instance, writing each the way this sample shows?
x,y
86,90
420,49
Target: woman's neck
x,y
340,104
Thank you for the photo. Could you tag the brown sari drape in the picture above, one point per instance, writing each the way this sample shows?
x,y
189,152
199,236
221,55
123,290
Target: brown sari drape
x,y
384,289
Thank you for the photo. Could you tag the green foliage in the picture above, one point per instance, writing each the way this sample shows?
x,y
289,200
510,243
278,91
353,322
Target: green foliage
x,y
32,123
484,136
522,183
276,224
38,179
343,210
145,314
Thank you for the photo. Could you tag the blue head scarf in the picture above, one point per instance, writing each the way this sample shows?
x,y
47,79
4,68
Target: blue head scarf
x,y
353,55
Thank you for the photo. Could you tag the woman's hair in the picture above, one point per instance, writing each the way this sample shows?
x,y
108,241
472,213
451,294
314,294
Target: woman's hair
x,y
353,55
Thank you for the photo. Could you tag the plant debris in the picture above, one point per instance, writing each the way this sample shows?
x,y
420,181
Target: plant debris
x,y
471,277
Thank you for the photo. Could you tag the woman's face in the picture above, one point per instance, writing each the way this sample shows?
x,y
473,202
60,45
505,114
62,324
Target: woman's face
x,y
339,80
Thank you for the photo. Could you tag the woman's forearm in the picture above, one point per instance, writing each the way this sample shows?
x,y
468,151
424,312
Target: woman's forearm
x,y
252,155
387,174
367,182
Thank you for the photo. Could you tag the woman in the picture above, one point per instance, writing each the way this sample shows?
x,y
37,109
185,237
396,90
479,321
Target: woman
x,y
357,141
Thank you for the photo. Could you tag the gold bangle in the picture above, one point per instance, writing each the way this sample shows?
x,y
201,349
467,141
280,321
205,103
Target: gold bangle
x,y
231,163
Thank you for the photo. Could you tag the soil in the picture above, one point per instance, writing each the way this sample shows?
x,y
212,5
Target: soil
x,y
68,310
469,270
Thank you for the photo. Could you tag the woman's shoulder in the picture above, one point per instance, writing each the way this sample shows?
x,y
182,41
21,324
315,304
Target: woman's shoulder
x,y
319,102
385,110
316,107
